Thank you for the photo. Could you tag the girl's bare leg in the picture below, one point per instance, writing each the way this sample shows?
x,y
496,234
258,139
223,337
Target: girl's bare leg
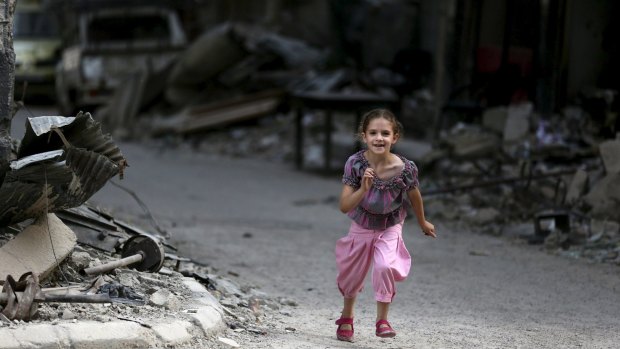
x,y
347,311
382,311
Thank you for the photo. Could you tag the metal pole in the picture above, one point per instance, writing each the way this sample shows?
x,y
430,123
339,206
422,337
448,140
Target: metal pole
x,y
104,268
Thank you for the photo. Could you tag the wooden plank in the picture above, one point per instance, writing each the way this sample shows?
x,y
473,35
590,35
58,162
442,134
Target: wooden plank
x,y
209,116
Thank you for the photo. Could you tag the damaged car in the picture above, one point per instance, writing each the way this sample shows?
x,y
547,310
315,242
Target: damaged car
x,y
112,43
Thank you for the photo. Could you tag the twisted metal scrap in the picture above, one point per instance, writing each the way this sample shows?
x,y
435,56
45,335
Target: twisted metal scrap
x,y
21,306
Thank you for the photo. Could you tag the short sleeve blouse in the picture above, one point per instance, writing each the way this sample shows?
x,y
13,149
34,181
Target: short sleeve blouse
x,y
385,204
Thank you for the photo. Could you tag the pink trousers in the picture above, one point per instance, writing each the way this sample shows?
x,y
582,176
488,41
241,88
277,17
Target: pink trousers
x,y
384,249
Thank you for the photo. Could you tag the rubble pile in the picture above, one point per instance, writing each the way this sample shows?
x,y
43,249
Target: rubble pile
x,y
148,297
73,264
549,182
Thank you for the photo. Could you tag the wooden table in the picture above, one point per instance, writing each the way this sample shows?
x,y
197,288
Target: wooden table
x,y
357,103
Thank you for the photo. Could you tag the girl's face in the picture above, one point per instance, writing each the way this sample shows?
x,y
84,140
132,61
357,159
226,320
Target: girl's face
x,y
379,136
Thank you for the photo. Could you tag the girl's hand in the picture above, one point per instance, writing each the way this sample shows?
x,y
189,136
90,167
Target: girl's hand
x,y
367,179
428,229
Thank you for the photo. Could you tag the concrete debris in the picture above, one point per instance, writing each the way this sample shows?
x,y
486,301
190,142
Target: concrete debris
x,y
202,117
229,342
577,187
39,248
211,53
494,119
469,143
610,153
604,198
164,299
517,123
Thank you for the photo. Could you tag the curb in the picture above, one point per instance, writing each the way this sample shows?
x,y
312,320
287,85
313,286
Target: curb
x,y
202,319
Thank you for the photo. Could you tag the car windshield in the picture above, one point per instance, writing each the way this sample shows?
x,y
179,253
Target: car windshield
x,y
138,28
34,25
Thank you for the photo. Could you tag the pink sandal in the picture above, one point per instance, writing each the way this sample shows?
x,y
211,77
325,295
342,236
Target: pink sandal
x,y
344,335
384,332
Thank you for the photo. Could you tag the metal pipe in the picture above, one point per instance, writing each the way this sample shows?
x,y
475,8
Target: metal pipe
x,y
69,298
104,268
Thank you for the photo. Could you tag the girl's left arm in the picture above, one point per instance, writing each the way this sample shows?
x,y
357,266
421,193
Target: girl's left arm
x,y
415,197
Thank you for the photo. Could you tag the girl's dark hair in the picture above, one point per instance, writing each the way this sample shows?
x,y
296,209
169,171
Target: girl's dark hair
x,y
380,113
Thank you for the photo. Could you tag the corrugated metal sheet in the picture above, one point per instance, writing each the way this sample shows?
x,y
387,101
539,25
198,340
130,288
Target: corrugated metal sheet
x,y
49,175
81,132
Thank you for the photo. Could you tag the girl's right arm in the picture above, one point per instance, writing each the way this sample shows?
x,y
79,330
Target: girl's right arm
x,y
351,197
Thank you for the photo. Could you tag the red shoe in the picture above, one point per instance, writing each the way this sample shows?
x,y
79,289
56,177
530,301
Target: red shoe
x,y
385,331
344,335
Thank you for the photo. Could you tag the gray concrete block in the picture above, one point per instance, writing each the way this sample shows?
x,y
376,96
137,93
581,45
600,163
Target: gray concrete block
x,y
517,122
47,336
173,333
495,118
31,249
577,186
603,197
109,335
208,319
610,153
201,295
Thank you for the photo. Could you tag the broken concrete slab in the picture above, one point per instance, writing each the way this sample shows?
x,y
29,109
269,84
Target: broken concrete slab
x,y
414,149
577,186
473,144
39,248
604,198
610,153
483,216
494,119
517,122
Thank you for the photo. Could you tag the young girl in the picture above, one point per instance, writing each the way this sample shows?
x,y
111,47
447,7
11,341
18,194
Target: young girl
x,y
377,184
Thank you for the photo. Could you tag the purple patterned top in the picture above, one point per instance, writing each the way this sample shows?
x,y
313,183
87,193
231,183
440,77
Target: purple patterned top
x,y
385,204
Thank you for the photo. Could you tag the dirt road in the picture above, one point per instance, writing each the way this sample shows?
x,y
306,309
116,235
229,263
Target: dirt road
x,y
276,228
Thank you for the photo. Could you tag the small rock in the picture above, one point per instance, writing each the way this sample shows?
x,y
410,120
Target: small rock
x,y
227,287
67,315
229,341
483,216
81,259
289,302
164,298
